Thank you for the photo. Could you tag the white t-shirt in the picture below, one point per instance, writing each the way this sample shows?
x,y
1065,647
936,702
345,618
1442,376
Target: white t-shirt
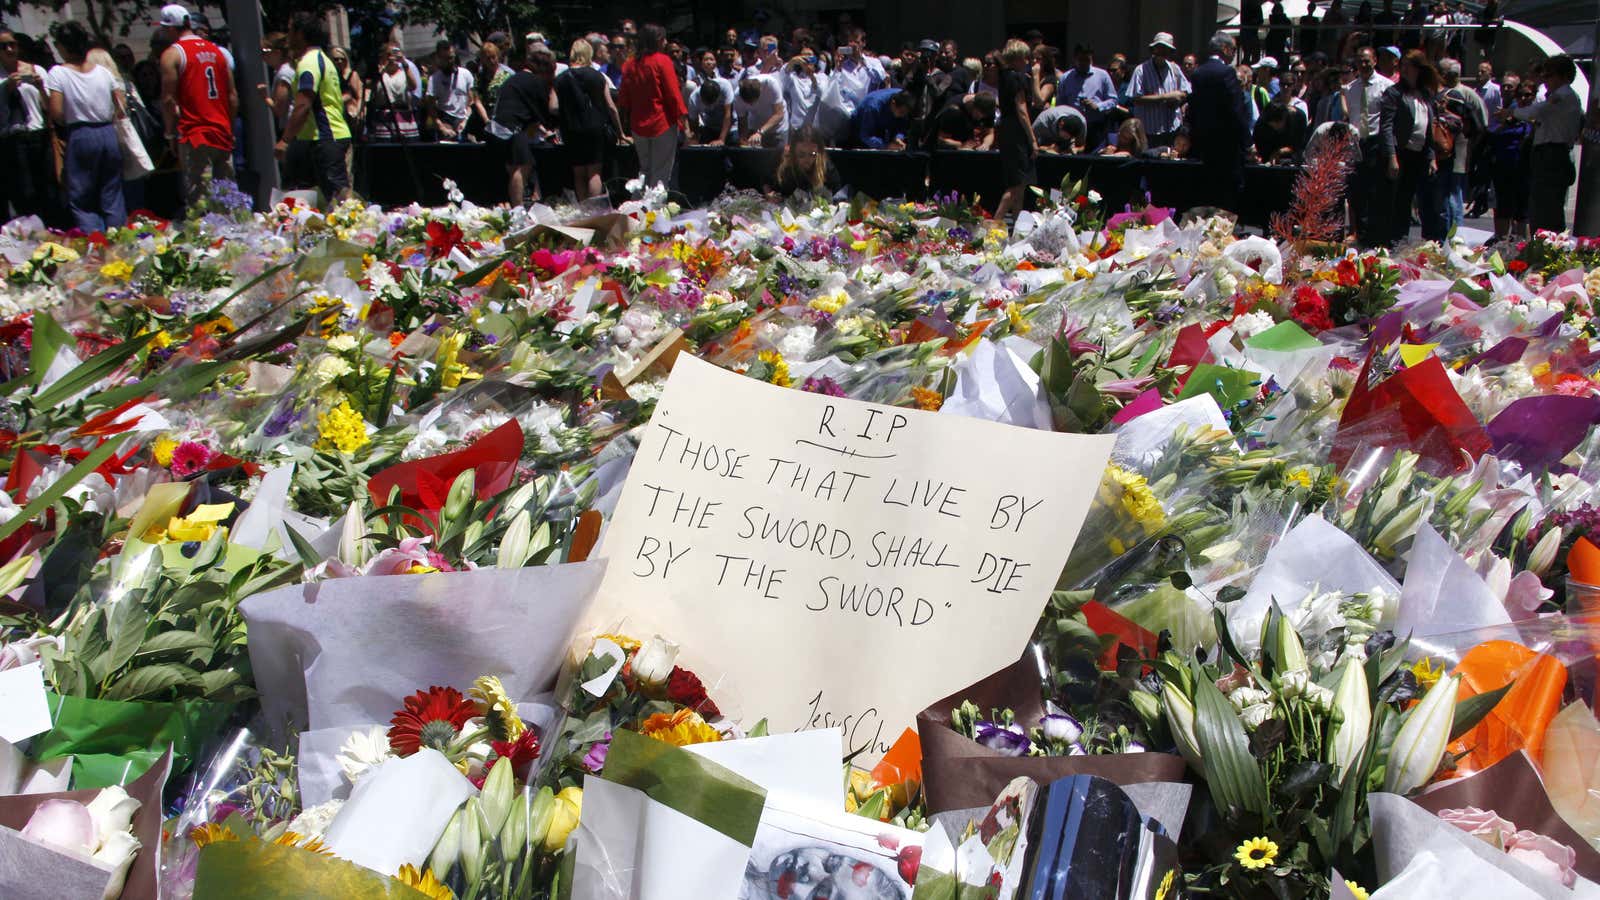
x,y
751,116
85,96
1420,119
452,91
32,102
703,114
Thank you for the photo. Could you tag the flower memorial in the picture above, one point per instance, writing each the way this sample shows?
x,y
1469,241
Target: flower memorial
x,y
305,515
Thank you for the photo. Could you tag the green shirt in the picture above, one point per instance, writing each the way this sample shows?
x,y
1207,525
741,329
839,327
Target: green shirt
x,y
316,75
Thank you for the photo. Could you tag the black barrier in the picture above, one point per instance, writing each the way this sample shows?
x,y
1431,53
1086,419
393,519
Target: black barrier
x,y
397,174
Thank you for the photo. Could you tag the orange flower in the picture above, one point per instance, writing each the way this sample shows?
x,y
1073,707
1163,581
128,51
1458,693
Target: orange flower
x,y
927,399
680,729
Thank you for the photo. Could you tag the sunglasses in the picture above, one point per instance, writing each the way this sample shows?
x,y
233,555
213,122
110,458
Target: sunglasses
x,y
8,45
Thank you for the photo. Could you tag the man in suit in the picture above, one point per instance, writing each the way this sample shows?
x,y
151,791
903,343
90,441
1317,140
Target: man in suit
x,y
1218,124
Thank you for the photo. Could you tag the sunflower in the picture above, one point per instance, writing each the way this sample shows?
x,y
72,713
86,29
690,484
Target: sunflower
x,y
430,718
423,881
680,728
1356,889
1165,889
211,833
311,844
627,644
1256,853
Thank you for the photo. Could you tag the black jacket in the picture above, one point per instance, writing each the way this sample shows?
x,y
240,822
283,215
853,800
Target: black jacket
x,y
1396,121
1216,115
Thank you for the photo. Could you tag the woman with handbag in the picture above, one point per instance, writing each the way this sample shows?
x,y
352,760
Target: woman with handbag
x,y
85,102
589,119
137,154
389,113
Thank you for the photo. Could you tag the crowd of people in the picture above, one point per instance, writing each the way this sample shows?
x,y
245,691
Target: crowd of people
x,y
1388,86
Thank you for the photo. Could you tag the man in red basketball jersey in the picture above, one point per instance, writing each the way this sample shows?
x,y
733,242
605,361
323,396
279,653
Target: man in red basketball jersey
x,y
198,99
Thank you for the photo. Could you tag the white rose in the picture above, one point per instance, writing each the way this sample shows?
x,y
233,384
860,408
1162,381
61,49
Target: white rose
x,y
112,810
653,662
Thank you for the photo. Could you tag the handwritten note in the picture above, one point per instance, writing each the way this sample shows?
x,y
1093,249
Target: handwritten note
x,y
841,564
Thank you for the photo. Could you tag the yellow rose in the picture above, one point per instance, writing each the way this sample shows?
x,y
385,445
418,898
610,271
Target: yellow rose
x,y
569,808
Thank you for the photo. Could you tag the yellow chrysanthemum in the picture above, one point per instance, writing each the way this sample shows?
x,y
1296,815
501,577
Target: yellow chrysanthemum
x,y
309,844
929,400
162,450
680,729
628,644
1301,477
117,270
424,881
1427,676
499,712
1356,889
780,367
342,429
1256,853
1133,492
211,833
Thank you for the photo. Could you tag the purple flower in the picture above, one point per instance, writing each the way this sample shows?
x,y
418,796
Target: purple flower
x,y
823,385
595,759
1010,740
282,419
1061,728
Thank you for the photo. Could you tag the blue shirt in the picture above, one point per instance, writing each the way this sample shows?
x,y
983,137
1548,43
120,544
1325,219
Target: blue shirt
x,y
876,123
1093,94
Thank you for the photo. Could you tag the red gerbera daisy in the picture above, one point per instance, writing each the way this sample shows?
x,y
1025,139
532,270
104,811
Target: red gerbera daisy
x,y
430,718
523,753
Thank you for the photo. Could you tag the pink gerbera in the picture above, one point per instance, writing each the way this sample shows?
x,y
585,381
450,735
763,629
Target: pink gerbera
x,y
188,458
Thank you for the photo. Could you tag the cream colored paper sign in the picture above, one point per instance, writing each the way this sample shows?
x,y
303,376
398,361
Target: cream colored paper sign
x,y
839,564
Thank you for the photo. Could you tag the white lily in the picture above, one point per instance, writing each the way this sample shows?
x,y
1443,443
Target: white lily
x,y
1420,745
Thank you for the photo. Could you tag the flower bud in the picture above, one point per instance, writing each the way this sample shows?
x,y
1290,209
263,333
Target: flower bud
x,y
568,808
1354,702
540,813
460,496
1415,754
653,662
472,841
1544,552
514,543
514,836
352,549
494,801
448,849
1180,718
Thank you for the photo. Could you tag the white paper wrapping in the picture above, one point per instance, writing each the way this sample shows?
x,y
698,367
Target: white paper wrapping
x,y
397,812
348,651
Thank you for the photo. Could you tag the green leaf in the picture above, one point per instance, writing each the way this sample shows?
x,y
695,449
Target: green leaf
x,y
173,641
48,339
265,274
1180,580
126,623
148,680
216,681
63,484
473,276
1230,594
1231,772
90,372
309,557
1225,637
1470,712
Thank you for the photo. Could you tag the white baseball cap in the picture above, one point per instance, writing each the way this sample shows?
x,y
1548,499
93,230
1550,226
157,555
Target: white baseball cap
x,y
1163,39
1267,62
173,15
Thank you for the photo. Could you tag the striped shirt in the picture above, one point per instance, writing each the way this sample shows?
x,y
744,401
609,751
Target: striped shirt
x,y
1148,78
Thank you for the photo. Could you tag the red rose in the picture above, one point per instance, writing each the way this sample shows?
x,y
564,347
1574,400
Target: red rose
x,y
684,688
1516,267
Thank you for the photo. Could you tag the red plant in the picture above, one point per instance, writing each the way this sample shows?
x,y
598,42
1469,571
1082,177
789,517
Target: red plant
x,y
433,716
1317,211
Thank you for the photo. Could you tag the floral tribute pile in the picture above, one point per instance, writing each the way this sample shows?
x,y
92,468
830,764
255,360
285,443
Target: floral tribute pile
x,y
1329,629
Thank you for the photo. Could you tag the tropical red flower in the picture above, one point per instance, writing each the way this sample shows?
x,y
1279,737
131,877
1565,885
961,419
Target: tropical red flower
x,y
430,718
684,688
1311,309
442,239
1517,266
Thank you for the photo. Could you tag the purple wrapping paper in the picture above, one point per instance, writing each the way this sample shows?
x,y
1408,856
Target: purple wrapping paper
x,y
1539,431
1504,353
